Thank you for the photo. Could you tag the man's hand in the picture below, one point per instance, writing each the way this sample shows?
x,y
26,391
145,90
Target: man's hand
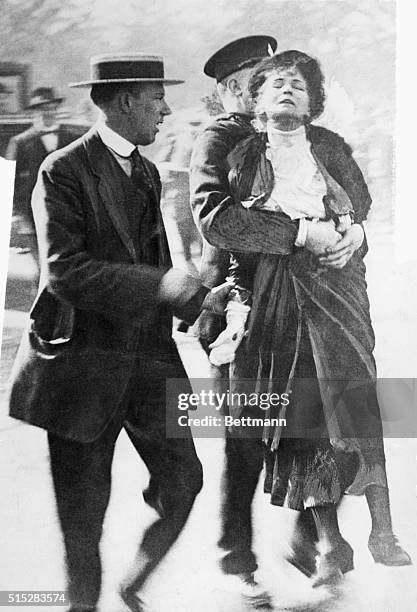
x,y
216,300
320,236
337,256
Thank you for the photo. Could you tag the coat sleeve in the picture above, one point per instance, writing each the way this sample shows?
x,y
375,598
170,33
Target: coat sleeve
x,y
352,178
71,271
223,223
348,174
344,169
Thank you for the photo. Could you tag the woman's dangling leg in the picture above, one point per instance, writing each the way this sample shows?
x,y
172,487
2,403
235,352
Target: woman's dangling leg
x,y
382,541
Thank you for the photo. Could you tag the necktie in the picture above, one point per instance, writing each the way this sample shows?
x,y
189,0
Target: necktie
x,y
140,176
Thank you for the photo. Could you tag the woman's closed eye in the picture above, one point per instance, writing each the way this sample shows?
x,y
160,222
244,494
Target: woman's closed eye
x,y
298,85
295,83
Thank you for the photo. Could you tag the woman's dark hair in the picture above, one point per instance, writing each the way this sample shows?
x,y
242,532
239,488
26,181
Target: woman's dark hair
x,y
307,66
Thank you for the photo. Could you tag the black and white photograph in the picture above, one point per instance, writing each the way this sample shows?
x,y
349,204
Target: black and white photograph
x,y
208,373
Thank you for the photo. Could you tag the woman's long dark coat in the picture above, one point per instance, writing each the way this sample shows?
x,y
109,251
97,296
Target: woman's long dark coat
x,y
332,306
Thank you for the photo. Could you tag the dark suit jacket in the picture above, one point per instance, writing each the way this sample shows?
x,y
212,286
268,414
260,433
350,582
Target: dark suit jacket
x,y
97,310
28,150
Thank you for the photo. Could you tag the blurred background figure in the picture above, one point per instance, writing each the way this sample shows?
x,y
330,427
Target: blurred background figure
x,y
5,94
86,112
173,160
29,149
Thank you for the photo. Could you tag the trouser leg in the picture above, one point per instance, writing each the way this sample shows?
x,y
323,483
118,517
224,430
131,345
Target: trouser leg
x,y
175,480
244,461
82,477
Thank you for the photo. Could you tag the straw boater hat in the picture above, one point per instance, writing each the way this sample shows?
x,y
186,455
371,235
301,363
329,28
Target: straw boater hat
x,y
126,68
238,54
44,95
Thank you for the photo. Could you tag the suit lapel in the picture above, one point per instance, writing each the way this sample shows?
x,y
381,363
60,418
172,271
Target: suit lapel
x,y
163,248
110,188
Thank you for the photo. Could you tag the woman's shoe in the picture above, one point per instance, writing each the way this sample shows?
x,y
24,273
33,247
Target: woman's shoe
x,y
303,557
385,549
328,570
303,549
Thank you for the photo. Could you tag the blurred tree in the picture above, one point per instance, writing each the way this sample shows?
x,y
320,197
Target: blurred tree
x,y
353,40
24,24
212,104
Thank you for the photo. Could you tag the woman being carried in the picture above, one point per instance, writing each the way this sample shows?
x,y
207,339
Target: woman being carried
x,y
309,330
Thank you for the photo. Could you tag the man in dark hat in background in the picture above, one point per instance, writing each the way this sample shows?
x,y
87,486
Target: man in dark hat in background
x,y
100,348
29,149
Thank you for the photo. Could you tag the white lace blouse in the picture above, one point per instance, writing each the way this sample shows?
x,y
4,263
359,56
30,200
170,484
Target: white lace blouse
x,y
299,186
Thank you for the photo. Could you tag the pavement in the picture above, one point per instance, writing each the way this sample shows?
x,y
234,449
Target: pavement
x,y
189,580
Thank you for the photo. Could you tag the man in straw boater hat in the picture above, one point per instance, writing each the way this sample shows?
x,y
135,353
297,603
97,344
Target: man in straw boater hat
x,y
29,149
99,349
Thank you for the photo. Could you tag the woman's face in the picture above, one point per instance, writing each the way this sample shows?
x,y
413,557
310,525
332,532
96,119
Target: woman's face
x,y
284,95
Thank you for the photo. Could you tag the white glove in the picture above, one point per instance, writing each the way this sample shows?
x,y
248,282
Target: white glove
x,y
225,346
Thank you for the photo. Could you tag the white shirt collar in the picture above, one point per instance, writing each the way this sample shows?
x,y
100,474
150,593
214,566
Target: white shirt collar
x,y
114,141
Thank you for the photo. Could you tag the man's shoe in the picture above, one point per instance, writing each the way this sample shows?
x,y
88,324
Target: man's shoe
x,y
303,551
385,549
255,596
328,570
132,600
303,557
